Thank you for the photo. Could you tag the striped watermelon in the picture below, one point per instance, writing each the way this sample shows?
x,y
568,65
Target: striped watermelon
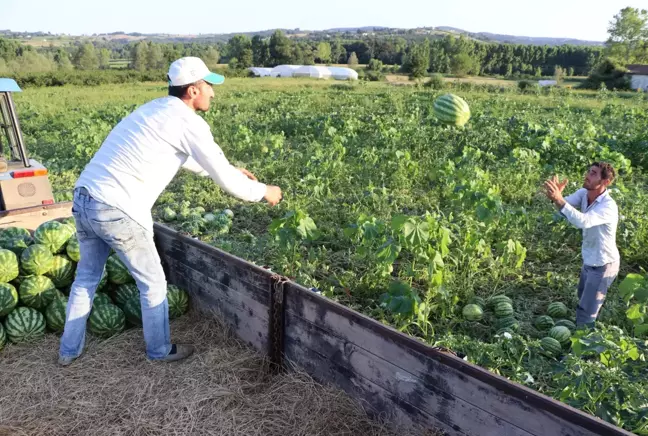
x,y
15,233
8,266
117,271
557,310
508,322
452,109
62,272
124,293
472,312
36,260
100,299
24,324
495,300
8,298
566,323
508,330
17,245
37,292
54,235
70,222
551,346
503,310
479,301
178,301
106,320
104,280
133,310
543,322
72,248
561,334
3,337
55,314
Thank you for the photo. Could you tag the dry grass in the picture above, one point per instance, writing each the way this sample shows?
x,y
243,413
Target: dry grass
x,y
223,389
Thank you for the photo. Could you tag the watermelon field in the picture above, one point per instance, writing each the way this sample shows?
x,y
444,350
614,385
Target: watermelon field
x,y
441,232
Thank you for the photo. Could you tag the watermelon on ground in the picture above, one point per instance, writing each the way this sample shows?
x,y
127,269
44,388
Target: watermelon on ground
x,y
495,300
117,271
133,310
54,235
24,324
479,301
561,334
566,323
106,320
72,248
557,310
55,314
178,300
472,312
37,292
544,322
62,272
503,310
551,346
452,109
36,260
508,322
8,298
8,266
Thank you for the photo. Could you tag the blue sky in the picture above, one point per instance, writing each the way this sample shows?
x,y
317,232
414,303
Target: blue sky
x,y
558,18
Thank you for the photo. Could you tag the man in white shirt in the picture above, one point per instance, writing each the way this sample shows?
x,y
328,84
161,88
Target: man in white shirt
x,y
114,195
598,218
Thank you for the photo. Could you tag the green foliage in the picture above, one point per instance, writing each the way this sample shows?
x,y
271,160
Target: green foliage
x,y
628,39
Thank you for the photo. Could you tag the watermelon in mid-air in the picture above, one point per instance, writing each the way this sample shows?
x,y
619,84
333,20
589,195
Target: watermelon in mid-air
x,y
452,109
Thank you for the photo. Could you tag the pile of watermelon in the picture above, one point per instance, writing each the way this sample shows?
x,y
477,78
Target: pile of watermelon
x,y
36,273
195,221
557,327
501,307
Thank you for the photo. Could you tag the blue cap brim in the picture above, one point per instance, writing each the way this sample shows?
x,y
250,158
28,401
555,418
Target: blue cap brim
x,y
214,79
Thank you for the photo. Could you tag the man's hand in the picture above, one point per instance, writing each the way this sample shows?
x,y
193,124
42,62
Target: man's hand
x,y
554,190
273,194
248,174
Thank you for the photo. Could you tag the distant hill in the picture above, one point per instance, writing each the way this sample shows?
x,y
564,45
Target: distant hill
x,y
512,39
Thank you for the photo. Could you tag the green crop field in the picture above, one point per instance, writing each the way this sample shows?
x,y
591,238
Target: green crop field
x,y
407,220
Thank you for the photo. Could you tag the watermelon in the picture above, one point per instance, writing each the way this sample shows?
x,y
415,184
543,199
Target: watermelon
x,y
494,301
551,346
17,245
503,330
36,260
228,213
8,298
100,299
472,312
557,310
543,322
178,301
70,223
479,301
508,322
133,310
503,310
53,235
24,324
72,248
3,337
452,109
566,323
55,314
117,271
169,214
561,334
62,272
8,266
16,233
106,320
124,293
37,292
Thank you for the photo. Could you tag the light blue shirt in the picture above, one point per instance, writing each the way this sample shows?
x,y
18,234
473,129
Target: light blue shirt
x,y
599,224
143,153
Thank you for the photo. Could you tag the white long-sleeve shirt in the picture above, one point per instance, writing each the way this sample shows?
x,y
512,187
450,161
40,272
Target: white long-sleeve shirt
x,y
143,153
599,224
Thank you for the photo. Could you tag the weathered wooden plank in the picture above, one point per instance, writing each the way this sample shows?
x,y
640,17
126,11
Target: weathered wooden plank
x,y
360,366
522,407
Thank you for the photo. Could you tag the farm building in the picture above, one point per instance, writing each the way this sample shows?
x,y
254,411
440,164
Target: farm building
x,y
638,76
312,71
283,70
260,72
343,73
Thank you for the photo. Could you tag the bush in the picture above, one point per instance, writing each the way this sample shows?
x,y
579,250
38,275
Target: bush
x,y
523,85
610,73
435,82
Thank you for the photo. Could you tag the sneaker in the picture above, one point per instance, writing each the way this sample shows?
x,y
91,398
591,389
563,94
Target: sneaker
x,y
178,352
66,360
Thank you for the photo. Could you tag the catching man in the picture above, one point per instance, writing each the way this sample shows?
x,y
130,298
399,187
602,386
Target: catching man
x,y
598,218
114,195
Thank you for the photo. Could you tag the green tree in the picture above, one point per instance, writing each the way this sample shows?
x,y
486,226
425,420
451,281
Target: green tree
x,y
338,52
139,56
462,64
324,52
628,39
353,60
418,59
86,57
281,49
104,59
154,57
211,57
260,52
62,59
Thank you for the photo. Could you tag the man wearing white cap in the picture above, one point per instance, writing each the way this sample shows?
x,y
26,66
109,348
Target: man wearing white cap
x,y
114,195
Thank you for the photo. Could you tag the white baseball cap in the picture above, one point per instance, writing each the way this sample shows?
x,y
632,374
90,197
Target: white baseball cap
x,y
192,69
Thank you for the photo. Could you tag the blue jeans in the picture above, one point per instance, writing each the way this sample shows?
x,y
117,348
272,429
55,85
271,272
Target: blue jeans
x,y
101,227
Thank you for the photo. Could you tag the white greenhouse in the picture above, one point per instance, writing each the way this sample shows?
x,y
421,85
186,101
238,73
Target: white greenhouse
x,y
343,73
312,71
260,72
283,70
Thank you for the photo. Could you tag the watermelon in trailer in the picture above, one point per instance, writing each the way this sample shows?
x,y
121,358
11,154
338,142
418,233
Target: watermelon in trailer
x,y
53,235
8,298
36,260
